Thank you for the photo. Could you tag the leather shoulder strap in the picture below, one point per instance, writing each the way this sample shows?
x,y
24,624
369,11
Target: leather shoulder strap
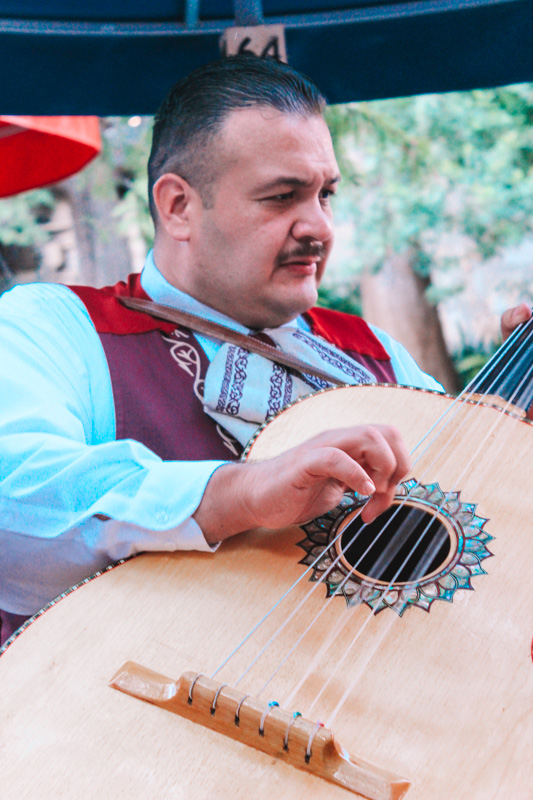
x,y
217,331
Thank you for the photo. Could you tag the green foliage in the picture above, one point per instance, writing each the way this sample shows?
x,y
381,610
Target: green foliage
x,y
127,150
469,363
20,218
340,299
425,168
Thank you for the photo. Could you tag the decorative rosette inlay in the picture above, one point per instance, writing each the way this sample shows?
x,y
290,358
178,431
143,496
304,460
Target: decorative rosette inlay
x,y
427,546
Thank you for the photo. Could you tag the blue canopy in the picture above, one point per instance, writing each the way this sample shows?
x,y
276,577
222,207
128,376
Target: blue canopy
x,y
120,56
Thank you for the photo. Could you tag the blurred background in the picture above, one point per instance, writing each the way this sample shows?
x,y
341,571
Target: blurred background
x,y
434,219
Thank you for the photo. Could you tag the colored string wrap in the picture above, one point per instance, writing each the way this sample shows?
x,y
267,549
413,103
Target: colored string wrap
x,y
272,704
519,342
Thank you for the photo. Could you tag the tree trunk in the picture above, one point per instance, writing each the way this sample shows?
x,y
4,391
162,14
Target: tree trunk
x,y
394,299
104,254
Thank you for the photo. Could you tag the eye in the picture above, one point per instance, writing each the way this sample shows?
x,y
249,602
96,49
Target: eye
x,y
327,194
281,198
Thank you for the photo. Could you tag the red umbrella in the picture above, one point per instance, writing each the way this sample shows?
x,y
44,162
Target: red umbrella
x,y
37,151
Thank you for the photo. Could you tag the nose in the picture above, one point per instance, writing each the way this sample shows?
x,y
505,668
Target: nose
x,y
313,222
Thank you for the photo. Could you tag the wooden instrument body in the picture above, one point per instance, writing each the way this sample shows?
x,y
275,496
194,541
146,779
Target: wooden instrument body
x,y
446,701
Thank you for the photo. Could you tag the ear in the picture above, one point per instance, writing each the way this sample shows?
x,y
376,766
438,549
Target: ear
x,y
175,201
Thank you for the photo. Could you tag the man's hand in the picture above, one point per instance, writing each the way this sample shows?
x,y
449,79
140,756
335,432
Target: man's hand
x,y
513,317
305,482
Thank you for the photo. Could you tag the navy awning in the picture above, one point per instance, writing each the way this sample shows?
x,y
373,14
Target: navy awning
x,y
120,56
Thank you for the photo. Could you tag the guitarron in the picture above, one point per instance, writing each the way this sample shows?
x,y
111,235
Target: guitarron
x,y
410,638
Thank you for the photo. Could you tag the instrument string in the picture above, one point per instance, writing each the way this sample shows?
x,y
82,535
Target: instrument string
x,y
401,536
421,566
330,639
498,356
316,585
395,545
392,549
428,559
525,398
478,380
508,379
274,607
491,430
323,649
313,564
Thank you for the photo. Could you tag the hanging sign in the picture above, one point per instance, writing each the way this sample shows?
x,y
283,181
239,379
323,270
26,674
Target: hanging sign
x,y
262,40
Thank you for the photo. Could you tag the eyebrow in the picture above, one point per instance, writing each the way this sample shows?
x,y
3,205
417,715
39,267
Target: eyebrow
x,y
290,180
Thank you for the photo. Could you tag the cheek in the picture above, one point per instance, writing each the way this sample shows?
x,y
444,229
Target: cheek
x,y
244,243
275,234
264,239
233,237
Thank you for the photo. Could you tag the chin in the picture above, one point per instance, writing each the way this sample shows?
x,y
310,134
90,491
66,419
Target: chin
x,y
282,314
305,300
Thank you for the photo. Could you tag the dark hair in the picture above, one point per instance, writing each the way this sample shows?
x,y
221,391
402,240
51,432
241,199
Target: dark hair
x,y
196,108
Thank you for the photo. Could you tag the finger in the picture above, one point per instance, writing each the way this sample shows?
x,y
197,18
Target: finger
x,y
383,455
378,503
513,317
395,441
378,448
334,464
378,458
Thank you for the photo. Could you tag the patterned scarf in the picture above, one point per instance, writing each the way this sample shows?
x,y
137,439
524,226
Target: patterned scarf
x,y
243,389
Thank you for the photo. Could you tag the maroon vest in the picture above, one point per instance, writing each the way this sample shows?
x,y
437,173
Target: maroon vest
x,y
157,373
157,381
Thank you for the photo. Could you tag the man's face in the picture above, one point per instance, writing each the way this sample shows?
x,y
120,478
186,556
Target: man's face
x,y
259,250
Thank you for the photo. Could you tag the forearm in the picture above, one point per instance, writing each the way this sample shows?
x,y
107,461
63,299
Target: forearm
x,y
72,497
305,481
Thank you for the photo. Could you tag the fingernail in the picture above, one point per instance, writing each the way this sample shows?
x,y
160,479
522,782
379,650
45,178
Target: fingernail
x,y
368,487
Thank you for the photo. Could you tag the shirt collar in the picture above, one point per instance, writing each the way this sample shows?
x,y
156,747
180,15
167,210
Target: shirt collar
x,y
161,291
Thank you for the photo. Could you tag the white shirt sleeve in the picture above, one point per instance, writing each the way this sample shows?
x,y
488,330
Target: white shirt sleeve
x,y
60,464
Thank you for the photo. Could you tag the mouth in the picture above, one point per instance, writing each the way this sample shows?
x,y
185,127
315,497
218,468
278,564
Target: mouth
x,y
301,266
303,261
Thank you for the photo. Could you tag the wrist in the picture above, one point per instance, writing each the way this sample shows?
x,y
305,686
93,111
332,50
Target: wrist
x,y
223,510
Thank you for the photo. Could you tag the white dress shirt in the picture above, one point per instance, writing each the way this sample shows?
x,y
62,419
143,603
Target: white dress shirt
x,y
60,464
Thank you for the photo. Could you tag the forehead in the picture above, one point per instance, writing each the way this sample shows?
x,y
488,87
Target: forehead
x,y
260,142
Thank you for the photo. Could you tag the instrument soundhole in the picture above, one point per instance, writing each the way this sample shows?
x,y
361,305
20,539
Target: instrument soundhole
x,y
404,544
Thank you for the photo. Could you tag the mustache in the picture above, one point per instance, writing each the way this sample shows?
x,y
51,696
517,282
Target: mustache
x,y
309,249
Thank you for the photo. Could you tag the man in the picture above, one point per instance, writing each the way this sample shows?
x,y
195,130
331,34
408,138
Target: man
x,y
105,447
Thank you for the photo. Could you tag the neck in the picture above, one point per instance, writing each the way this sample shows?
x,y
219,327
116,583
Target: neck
x,y
509,373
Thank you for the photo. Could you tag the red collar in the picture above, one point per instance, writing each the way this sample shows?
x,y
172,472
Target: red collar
x,y
110,316
346,332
